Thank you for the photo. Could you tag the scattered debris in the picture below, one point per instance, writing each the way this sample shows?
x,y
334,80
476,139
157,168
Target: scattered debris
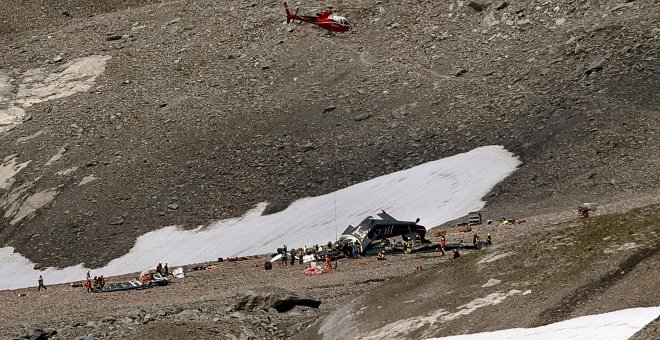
x,y
87,179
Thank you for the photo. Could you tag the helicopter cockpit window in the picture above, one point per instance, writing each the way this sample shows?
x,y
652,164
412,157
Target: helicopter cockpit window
x,y
340,20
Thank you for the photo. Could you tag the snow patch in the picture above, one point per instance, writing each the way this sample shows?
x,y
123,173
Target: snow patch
x,y
79,75
494,257
33,203
57,156
8,169
40,84
614,248
66,171
627,246
30,137
402,328
619,325
491,282
87,179
5,88
9,117
436,192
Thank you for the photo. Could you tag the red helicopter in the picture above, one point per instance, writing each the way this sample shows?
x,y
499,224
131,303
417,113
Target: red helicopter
x,y
324,19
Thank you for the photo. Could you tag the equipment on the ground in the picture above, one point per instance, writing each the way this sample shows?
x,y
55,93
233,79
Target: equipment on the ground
x,y
585,208
146,281
474,218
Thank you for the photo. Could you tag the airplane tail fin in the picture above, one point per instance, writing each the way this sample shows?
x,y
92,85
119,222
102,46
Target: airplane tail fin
x,y
289,16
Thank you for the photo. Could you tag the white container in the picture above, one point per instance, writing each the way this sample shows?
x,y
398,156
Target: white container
x,y
590,206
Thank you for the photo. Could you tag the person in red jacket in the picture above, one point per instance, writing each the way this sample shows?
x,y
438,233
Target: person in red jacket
x,y
443,244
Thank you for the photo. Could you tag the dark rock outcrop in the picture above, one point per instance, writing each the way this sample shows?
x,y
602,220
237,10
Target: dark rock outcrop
x,y
264,298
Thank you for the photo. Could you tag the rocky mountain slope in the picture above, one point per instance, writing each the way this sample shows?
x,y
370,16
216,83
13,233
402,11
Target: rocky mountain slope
x,y
192,111
549,269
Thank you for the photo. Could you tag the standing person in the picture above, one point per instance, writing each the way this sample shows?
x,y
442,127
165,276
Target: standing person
x,y
88,285
393,247
293,256
159,268
41,283
489,240
88,281
443,244
166,270
302,254
284,254
327,262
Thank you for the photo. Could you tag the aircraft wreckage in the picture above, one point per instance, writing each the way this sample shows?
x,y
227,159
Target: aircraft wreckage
x,y
372,235
373,229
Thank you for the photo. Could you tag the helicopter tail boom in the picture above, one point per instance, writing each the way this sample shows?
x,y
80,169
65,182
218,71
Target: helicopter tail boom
x,y
289,16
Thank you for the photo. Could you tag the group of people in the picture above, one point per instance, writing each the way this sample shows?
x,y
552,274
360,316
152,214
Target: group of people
x,y
164,271
289,257
285,255
476,240
97,283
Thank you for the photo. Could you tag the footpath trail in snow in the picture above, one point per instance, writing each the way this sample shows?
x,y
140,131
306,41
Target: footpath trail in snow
x,y
619,325
436,192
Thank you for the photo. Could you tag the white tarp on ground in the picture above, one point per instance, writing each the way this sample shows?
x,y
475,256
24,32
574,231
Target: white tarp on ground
x,y
436,192
619,325
179,273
